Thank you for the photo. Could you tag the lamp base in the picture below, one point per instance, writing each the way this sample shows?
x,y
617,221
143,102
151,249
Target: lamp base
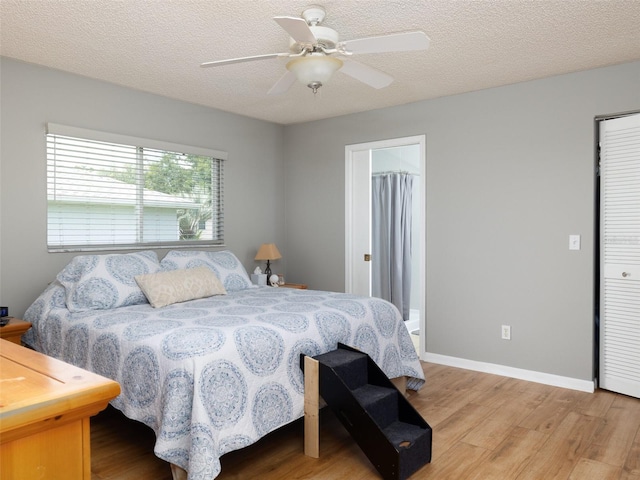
x,y
268,271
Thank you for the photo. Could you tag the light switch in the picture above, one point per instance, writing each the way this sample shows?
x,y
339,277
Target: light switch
x,y
574,242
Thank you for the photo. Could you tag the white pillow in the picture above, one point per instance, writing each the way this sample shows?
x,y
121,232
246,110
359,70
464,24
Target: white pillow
x,y
100,282
224,264
166,288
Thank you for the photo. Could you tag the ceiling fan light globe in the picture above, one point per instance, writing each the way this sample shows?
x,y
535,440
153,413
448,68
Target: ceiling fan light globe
x,y
314,69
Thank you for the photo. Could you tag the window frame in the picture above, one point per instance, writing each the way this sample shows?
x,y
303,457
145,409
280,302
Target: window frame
x,y
53,129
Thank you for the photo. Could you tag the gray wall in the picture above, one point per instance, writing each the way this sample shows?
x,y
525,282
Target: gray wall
x,y
31,96
510,174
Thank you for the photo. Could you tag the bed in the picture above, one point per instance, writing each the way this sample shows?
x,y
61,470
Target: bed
x,y
205,358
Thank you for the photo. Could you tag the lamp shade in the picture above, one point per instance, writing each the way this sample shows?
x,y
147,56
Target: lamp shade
x,y
268,251
314,69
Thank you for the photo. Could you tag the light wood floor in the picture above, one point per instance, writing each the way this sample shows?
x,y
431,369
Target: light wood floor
x,y
484,427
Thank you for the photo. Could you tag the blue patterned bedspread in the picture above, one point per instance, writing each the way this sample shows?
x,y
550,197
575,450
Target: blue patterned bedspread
x,y
214,375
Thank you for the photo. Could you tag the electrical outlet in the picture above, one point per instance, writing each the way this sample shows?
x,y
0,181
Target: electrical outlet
x,y
506,332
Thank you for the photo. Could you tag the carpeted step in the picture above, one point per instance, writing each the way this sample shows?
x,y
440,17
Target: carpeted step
x,y
391,433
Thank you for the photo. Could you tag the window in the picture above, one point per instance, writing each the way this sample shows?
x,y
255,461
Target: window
x,y
108,191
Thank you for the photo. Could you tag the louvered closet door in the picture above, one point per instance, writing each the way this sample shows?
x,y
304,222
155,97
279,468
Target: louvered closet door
x,y
620,255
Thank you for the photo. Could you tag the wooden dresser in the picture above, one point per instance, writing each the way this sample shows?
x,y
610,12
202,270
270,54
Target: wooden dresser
x,y
45,406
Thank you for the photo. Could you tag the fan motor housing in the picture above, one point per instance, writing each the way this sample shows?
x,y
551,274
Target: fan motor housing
x,y
327,39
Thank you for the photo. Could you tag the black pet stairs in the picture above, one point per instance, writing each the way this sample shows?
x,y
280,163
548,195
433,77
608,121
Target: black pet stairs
x,y
390,432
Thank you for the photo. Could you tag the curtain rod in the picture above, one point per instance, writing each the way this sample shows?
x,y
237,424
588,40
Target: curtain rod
x,y
389,172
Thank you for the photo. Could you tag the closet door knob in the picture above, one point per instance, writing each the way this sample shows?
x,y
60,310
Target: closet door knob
x,y
625,274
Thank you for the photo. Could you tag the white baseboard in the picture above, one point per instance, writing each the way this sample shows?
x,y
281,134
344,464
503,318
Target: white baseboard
x,y
528,375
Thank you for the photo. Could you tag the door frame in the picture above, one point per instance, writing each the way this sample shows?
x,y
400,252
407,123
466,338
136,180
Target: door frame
x,y
350,153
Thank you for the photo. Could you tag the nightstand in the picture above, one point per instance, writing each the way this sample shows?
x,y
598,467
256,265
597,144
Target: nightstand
x,y
14,330
300,286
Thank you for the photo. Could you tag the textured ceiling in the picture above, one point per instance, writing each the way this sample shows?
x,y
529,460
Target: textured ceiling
x,y
157,46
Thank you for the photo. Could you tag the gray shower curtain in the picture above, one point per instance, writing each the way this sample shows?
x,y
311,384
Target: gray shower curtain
x,y
391,239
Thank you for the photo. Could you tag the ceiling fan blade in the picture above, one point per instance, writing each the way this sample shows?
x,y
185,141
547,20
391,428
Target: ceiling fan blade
x,y
366,74
395,42
284,84
243,59
297,28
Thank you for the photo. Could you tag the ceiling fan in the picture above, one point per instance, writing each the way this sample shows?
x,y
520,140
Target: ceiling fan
x,y
316,53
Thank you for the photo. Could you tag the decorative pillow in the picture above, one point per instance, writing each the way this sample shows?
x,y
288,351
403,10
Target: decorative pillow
x,y
224,264
100,282
174,286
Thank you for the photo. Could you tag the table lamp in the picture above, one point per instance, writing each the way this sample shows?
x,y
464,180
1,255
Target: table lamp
x,y
268,252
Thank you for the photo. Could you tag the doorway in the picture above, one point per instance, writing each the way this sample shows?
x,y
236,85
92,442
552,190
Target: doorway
x,y
362,161
618,282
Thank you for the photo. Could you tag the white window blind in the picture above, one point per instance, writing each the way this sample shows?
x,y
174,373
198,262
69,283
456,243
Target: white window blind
x,y
107,191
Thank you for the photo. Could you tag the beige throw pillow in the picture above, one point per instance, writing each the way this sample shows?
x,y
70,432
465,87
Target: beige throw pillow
x,y
166,288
